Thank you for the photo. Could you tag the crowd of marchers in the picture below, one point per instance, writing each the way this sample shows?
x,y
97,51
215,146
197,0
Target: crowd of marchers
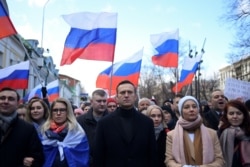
x,y
124,131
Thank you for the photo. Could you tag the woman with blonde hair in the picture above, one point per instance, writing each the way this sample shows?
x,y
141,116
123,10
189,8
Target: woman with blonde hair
x,y
64,141
156,114
37,113
192,144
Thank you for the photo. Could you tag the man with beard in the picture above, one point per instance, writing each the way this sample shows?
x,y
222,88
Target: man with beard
x,y
218,102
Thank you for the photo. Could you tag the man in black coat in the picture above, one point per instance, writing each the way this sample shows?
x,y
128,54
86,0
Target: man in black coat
x,y
125,138
19,141
89,120
218,102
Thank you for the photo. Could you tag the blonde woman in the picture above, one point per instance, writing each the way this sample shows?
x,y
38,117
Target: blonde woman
x,y
37,113
192,144
64,141
156,114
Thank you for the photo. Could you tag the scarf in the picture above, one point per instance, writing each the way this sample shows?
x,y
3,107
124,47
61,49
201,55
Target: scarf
x,y
194,147
178,142
5,122
227,143
57,128
158,130
74,147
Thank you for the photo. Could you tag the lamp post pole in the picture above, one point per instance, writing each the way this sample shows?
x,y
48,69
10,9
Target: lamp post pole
x,y
43,21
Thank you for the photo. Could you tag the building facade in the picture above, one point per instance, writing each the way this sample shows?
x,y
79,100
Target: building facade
x,y
239,70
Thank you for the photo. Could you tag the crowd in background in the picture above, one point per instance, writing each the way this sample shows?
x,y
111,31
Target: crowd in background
x,y
124,131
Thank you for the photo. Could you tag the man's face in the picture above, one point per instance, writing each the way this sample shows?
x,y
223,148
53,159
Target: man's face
x,y
143,105
218,101
8,102
126,96
99,103
175,104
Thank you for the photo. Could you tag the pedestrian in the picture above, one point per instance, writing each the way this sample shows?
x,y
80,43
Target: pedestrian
x,y
192,144
125,137
89,120
156,114
218,102
37,114
19,142
235,135
64,141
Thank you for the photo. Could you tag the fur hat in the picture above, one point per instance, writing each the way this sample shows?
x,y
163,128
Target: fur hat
x,y
183,100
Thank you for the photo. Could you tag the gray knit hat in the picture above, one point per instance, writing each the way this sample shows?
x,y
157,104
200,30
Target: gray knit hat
x,y
182,101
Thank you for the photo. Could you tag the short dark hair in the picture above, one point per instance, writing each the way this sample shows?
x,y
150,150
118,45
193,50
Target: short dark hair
x,y
99,92
125,82
10,89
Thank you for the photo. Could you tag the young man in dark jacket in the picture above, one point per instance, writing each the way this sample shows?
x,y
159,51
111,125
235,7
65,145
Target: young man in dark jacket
x,y
19,141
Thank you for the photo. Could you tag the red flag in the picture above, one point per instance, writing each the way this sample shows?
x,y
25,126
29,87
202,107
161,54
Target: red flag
x,y
6,28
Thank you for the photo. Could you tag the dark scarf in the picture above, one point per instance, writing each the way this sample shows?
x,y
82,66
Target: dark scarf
x,y
158,130
5,123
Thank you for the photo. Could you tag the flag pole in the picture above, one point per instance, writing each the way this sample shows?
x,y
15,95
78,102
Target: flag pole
x,y
111,79
199,66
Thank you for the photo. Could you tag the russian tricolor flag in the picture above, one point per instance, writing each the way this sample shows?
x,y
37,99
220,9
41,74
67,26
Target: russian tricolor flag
x,y
52,91
188,71
128,69
15,76
92,37
167,47
6,26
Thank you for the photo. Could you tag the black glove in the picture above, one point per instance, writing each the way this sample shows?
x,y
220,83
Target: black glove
x,y
44,92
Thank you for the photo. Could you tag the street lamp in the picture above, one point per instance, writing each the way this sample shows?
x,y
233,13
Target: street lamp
x,y
43,22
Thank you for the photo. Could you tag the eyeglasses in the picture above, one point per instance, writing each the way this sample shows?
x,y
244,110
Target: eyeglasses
x,y
8,98
62,110
112,106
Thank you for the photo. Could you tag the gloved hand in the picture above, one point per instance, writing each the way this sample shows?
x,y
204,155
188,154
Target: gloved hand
x,y
44,92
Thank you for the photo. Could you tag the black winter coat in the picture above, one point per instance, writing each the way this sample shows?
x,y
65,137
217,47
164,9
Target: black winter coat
x,y
21,141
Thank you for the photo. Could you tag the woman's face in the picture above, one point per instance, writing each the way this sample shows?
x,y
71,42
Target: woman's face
x,y
235,116
156,116
37,111
190,110
59,113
